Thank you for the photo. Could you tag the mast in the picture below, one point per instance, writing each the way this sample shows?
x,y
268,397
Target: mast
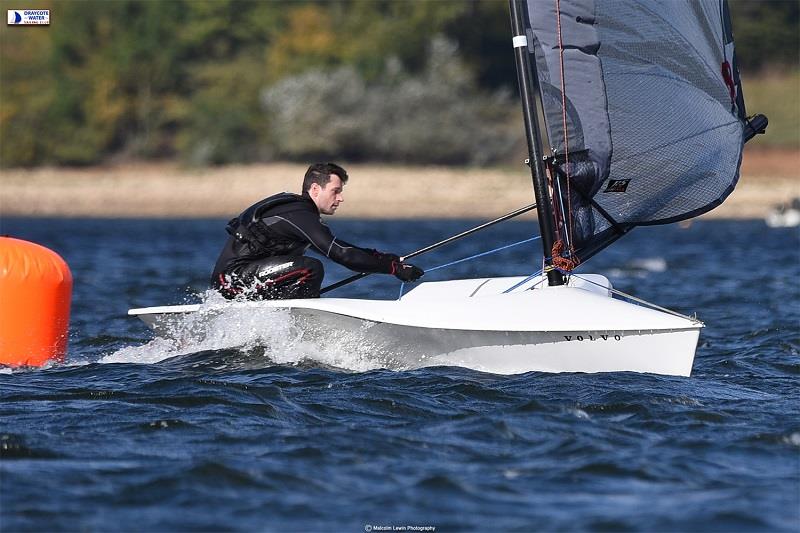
x,y
526,76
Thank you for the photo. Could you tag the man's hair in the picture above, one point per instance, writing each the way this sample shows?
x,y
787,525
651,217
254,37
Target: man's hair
x,y
320,173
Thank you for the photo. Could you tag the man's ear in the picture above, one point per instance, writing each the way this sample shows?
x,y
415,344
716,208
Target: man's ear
x,y
313,191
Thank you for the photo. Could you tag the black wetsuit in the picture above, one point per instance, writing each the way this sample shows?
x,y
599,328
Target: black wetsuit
x,y
263,257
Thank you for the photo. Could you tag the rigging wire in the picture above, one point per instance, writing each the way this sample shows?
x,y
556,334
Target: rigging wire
x,y
567,218
610,289
639,300
457,261
483,253
526,280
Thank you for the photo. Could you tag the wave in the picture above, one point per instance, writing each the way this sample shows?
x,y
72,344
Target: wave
x,y
248,336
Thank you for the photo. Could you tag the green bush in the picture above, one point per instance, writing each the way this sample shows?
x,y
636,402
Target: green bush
x,y
317,114
440,116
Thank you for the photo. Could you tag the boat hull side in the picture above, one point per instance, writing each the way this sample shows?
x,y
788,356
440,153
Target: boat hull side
x,y
669,352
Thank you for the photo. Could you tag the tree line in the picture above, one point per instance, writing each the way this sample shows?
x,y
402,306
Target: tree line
x,y
220,81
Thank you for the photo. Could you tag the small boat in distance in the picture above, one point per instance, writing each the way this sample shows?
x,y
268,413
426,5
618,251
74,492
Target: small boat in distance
x,y
645,123
785,215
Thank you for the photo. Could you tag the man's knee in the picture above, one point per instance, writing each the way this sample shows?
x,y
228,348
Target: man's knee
x,y
299,278
274,278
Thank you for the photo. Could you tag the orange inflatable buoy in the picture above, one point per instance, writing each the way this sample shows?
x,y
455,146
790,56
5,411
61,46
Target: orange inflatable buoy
x,y
35,294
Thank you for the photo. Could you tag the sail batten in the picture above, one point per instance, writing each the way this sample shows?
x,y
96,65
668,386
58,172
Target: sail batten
x,y
649,125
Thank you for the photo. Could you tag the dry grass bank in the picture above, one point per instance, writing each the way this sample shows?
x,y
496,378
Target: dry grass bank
x,y
769,177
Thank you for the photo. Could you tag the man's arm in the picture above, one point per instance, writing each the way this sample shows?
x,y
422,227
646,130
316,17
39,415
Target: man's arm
x,y
308,227
386,263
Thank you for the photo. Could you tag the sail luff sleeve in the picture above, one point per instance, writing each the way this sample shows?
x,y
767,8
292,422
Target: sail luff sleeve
x,y
654,121
587,113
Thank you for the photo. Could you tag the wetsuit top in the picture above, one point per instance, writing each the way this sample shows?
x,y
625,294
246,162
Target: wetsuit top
x,y
288,224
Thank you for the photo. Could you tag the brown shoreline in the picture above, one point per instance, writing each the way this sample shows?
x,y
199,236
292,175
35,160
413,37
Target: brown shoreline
x,y
155,190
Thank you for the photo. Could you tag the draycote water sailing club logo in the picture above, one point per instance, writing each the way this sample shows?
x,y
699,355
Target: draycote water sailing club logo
x,y
28,16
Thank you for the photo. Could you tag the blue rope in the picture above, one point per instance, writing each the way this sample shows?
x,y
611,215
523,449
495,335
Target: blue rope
x,y
457,261
482,254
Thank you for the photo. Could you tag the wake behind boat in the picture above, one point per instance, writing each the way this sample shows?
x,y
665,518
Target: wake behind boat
x,y
645,124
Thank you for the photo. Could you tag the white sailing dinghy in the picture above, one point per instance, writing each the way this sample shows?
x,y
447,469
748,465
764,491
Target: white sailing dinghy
x,y
645,122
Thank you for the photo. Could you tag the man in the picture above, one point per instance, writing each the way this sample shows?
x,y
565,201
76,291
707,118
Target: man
x,y
263,257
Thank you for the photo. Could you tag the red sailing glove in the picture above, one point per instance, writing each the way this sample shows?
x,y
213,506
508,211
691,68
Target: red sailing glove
x,y
391,264
386,261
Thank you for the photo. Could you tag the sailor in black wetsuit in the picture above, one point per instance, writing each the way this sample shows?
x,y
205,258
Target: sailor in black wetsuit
x,y
263,257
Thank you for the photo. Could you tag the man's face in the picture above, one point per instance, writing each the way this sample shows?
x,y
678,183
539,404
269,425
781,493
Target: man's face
x,y
329,197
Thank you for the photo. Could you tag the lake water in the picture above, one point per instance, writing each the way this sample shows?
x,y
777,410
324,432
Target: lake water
x,y
253,432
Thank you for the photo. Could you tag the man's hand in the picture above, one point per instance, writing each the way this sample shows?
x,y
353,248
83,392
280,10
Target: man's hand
x,y
406,272
394,265
387,261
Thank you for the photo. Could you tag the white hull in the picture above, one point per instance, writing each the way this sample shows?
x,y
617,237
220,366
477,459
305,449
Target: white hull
x,y
472,323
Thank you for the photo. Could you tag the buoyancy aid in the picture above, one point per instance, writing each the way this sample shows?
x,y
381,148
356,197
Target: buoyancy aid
x,y
252,230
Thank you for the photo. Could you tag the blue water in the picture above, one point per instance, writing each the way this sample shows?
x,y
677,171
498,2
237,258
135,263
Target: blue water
x,y
134,433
